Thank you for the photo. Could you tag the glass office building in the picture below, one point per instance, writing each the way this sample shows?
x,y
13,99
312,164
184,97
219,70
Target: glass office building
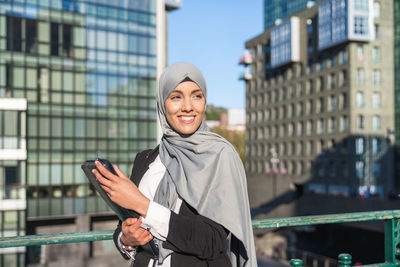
x,y
277,10
87,71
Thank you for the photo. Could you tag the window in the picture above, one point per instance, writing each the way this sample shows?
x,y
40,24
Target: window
x,y
12,182
360,25
54,39
343,101
377,31
376,100
310,127
344,123
331,81
67,40
14,34
361,5
360,76
377,9
376,122
320,126
360,169
360,122
331,124
360,53
331,102
31,41
360,99
359,145
300,128
376,54
320,105
376,145
377,169
376,77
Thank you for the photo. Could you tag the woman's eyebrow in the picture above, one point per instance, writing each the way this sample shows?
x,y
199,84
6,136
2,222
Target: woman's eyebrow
x,y
196,91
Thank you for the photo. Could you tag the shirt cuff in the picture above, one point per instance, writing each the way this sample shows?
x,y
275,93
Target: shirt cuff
x,y
157,220
129,254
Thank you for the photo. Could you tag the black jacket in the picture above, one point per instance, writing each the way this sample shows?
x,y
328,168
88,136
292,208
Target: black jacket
x,y
195,239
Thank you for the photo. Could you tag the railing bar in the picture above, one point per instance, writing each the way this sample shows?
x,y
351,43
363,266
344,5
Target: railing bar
x,y
326,219
36,240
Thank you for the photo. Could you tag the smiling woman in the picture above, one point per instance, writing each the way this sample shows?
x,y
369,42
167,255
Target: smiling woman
x,y
185,107
190,190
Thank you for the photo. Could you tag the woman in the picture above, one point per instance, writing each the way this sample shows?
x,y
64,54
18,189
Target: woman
x,y
190,191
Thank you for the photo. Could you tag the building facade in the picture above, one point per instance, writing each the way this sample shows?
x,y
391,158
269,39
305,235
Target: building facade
x,y
277,10
319,99
87,72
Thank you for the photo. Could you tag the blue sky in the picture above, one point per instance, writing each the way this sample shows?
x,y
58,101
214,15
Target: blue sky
x,y
211,34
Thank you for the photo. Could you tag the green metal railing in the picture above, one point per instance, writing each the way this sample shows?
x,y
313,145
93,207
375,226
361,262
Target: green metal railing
x,y
391,219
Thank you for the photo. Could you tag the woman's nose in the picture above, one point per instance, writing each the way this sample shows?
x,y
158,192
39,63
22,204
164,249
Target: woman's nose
x,y
187,105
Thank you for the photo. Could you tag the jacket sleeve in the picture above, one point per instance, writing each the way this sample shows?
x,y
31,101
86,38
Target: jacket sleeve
x,y
193,234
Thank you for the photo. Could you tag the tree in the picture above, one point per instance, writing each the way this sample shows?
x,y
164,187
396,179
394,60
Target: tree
x,y
236,138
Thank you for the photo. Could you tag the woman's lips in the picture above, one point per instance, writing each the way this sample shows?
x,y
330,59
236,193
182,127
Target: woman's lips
x,y
186,119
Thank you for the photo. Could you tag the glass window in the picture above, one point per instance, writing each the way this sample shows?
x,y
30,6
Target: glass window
x,y
359,145
360,169
376,122
55,38
68,80
31,78
44,175
360,122
55,80
10,220
344,123
360,53
44,126
376,100
376,77
376,145
44,32
67,40
14,33
376,54
360,76
377,9
377,30
31,36
79,36
18,75
68,127
360,25
101,40
56,127
377,169
360,99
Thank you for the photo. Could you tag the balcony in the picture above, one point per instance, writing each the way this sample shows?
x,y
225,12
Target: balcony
x,y
245,75
246,59
389,217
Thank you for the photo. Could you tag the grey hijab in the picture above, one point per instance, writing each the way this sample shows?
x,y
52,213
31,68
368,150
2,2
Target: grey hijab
x,y
204,170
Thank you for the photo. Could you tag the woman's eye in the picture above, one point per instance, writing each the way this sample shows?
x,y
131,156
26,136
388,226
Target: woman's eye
x,y
199,96
175,97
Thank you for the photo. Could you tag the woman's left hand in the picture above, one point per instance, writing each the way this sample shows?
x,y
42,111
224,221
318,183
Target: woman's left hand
x,y
121,189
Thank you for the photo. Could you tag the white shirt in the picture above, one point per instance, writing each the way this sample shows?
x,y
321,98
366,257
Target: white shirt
x,y
158,216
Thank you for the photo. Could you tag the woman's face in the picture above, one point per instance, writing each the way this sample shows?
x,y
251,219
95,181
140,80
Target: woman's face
x,y
185,107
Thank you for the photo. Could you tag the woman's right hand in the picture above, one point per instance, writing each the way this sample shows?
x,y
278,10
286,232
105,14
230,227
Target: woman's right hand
x,y
133,234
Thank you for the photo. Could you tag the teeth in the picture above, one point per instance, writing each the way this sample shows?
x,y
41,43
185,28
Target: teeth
x,y
187,118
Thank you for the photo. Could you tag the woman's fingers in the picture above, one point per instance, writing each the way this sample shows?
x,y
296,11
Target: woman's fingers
x,y
119,172
106,173
101,178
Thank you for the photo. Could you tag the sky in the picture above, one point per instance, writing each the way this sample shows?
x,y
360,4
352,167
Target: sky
x,y
211,34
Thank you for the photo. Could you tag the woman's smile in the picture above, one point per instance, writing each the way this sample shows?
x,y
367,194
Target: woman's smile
x,y
185,108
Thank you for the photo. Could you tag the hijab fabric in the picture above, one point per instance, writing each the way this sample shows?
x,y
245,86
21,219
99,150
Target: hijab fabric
x,y
204,170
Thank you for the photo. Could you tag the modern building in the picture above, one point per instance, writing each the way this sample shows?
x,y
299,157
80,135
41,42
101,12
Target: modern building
x,y
277,10
319,98
77,81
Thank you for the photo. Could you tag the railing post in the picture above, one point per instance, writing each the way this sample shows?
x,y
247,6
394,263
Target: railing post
x,y
296,263
390,241
344,260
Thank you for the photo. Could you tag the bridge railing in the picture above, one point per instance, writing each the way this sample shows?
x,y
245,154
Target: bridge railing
x,y
391,219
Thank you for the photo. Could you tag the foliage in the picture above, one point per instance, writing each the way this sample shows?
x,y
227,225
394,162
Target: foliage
x,y
236,138
214,113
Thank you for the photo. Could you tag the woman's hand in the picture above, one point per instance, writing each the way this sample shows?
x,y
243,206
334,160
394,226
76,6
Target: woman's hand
x,y
134,235
121,189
